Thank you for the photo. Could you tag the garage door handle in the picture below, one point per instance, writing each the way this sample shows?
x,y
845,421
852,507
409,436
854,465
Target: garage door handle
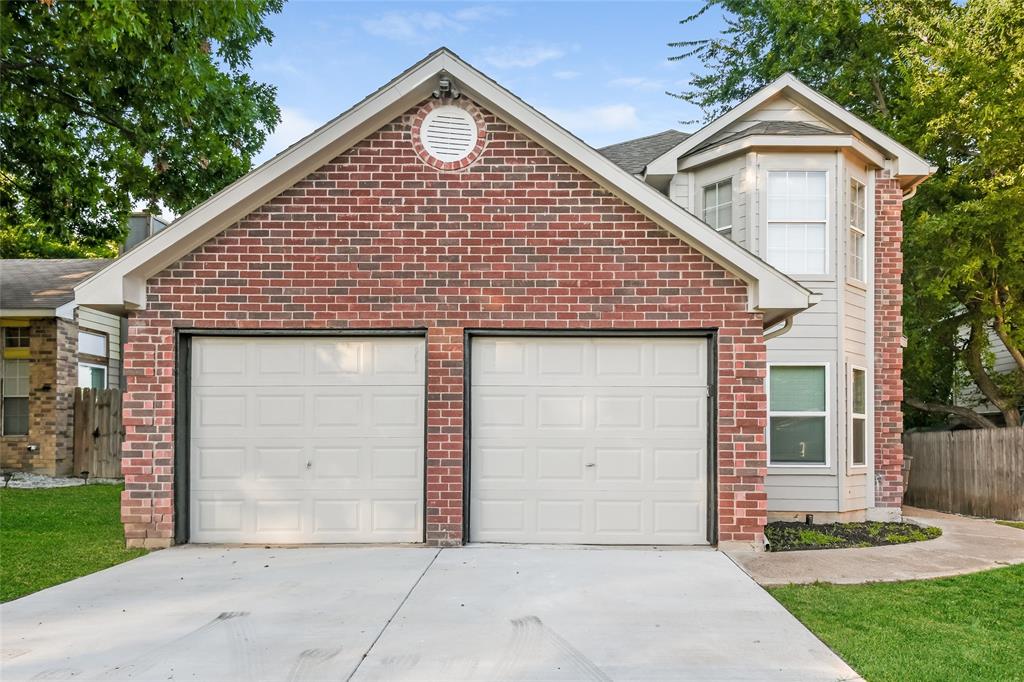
x,y
590,465
309,465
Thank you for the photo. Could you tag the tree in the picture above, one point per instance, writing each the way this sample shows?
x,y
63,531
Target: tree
x,y
113,103
947,80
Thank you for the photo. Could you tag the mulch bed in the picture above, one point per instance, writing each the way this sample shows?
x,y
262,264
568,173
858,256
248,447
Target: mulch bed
x,y
786,536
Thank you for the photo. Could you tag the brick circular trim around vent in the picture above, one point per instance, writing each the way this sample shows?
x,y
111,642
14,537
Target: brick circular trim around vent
x,y
431,160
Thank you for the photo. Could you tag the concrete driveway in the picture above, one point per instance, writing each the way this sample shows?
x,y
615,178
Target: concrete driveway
x,y
474,613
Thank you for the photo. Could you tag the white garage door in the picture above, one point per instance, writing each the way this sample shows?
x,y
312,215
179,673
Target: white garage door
x,y
589,440
312,439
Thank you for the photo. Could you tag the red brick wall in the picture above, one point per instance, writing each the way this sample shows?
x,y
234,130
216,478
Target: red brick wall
x,y
379,239
888,343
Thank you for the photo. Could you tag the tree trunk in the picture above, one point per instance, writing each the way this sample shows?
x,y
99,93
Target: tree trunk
x,y
972,359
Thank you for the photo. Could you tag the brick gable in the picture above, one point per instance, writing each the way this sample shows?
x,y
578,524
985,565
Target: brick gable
x,y
378,239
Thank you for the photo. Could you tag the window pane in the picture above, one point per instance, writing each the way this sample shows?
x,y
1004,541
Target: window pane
x,y
97,377
798,440
725,192
858,441
797,195
15,378
15,416
724,216
16,337
859,392
93,344
797,389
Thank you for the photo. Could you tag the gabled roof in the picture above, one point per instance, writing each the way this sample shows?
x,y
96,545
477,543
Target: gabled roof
x,y
905,165
123,284
633,156
36,286
766,128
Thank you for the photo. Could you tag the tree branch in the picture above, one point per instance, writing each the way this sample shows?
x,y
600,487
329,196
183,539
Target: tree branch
x,y
999,326
965,412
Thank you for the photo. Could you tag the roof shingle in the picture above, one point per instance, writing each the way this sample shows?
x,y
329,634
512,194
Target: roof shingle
x,y
32,283
634,155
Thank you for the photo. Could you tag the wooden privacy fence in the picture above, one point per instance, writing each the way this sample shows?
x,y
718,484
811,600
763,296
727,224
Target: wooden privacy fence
x,y
978,472
98,432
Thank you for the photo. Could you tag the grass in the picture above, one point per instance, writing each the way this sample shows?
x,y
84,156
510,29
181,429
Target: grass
x,y
964,628
1012,524
785,536
50,536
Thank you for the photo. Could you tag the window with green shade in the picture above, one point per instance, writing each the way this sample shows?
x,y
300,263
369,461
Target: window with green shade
x,y
797,414
858,416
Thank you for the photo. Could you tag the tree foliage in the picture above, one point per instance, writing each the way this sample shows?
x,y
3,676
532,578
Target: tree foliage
x,y
947,80
106,104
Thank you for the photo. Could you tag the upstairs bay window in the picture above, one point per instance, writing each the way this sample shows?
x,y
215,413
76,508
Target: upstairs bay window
x,y
797,221
858,231
718,206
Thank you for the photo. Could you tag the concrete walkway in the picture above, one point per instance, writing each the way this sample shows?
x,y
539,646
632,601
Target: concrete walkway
x,y
966,546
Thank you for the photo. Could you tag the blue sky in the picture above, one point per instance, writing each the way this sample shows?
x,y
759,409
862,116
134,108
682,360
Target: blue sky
x,y
600,69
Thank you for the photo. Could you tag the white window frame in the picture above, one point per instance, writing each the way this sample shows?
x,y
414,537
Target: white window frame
x,y
826,272
716,206
4,395
787,413
94,365
862,232
858,415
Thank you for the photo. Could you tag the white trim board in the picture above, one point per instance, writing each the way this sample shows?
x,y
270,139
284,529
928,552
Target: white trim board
x,y
122,284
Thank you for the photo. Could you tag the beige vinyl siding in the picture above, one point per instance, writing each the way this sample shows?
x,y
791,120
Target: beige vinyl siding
x,y
777,109
111,326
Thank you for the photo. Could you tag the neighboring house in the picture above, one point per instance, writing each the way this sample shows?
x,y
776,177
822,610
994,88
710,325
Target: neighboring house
x,y
442,318
49,347
971,396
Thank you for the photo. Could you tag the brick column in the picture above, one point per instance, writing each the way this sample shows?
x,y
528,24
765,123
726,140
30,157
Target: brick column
x,y
147,456
445,362
888,343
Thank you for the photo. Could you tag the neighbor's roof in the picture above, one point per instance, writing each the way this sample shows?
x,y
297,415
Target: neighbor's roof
x,y
633,156
122,284
43,283
767,128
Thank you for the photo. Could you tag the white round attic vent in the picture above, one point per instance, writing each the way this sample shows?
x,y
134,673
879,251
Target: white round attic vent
x,y
449,133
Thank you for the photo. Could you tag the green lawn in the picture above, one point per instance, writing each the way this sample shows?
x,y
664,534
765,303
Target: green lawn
x,y
1012,524
964,628
49,536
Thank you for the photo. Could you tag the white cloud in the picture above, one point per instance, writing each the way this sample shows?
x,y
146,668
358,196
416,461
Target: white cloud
x,y
416,27
609,118
638,83
566,75
480,13
410,26
520,55
294,126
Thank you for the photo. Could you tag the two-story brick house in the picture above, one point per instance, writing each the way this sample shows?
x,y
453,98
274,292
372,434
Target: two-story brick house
x,y
442,318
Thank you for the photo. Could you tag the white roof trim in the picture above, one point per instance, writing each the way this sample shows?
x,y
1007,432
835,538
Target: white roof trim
x,y
122,284
783,141
908,163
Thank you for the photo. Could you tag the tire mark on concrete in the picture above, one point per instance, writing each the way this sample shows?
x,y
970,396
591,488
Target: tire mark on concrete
x,y
160,653
308,662
528,633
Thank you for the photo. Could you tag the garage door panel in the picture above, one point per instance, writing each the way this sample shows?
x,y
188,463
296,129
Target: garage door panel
x,y
307,440
274,361
589,440
564,412
583,361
